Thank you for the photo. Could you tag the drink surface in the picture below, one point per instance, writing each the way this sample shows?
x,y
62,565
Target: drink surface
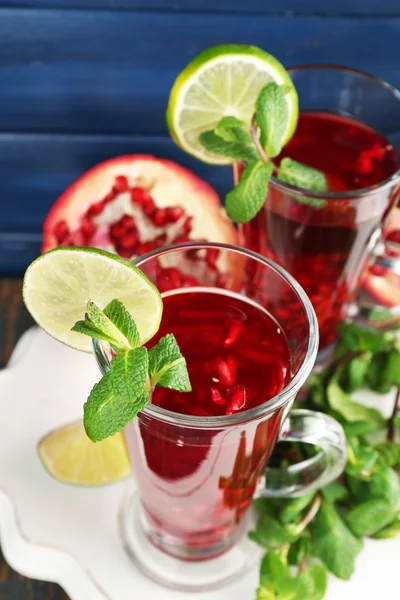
x,y
326,248
237,355
195,485
351,154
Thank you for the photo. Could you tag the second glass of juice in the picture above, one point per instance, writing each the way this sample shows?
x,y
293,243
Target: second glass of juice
x,y
348,128
199,458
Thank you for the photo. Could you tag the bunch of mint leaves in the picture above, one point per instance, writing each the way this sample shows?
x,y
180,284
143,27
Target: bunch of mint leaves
x,y
321,532
257,145
134,371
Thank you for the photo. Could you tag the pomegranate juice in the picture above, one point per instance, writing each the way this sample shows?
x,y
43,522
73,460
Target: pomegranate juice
x,y
196,484
325,247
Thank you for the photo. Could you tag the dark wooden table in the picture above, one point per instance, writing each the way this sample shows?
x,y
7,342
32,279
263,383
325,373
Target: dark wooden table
x,y
14,320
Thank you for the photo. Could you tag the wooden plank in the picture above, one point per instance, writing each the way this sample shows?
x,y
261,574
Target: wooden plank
x,y
35,169
308,7
80,71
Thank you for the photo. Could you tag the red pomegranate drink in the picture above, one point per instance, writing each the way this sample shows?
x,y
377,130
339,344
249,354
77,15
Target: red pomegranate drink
x,y
325,248
237,358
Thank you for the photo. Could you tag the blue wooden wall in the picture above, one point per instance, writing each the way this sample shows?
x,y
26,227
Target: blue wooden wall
x,y
84,80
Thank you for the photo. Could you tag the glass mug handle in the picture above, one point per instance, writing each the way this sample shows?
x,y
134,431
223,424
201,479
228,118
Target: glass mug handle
x,y
314,428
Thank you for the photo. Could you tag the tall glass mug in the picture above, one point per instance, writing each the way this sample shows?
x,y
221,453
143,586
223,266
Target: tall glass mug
x,y
349,127
197,466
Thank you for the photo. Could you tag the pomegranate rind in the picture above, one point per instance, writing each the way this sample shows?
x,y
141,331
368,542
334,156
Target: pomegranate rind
x,y
173,185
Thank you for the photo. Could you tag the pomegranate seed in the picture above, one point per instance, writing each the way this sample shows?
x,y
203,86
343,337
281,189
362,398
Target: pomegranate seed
x,y
174,277
110,196
225,370
377,270
187,225
174,213
216,397
159,217
160,240
95,209
116,231
129,240
61,231
68,241
222,280
125,253
181,239
145,247
139,195
127,222
120,184
211,257
87,227
394,236
234,331
238,400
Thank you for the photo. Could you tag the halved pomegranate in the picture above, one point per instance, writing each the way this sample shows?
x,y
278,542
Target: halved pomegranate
x,y
132,204
381,284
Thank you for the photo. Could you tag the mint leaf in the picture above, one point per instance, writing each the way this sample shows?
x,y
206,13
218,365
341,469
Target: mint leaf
x,y
375,375
371,516
314,582
247,198
389,454
167,366
334,492
225,126
123,321
362,462
101,322
350,410
240,147
390,531
295,173
357,371
391,372
129,373
105,414
302,176
358,338
272,569
294,508
333,542
269,531
87,328
263,593
272,116
385,484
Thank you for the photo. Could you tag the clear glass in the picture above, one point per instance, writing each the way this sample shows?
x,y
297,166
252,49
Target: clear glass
x,y
328,244
196,475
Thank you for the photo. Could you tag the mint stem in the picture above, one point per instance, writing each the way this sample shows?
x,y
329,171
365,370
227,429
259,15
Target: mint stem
x,y
257,143
311,513
236,176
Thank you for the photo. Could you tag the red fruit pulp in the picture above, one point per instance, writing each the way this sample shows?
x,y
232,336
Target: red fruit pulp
x,y
326,248
195,485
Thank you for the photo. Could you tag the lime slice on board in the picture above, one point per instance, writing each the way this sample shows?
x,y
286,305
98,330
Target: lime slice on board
x,y
223,81
58,285
70,457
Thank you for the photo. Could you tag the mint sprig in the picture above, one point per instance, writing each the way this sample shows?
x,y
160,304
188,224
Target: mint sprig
x,y
326,529
257,144
134,372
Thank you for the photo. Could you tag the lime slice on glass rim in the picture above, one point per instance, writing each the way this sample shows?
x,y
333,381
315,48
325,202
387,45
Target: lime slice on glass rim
x,y
58,285
70,457
223,81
